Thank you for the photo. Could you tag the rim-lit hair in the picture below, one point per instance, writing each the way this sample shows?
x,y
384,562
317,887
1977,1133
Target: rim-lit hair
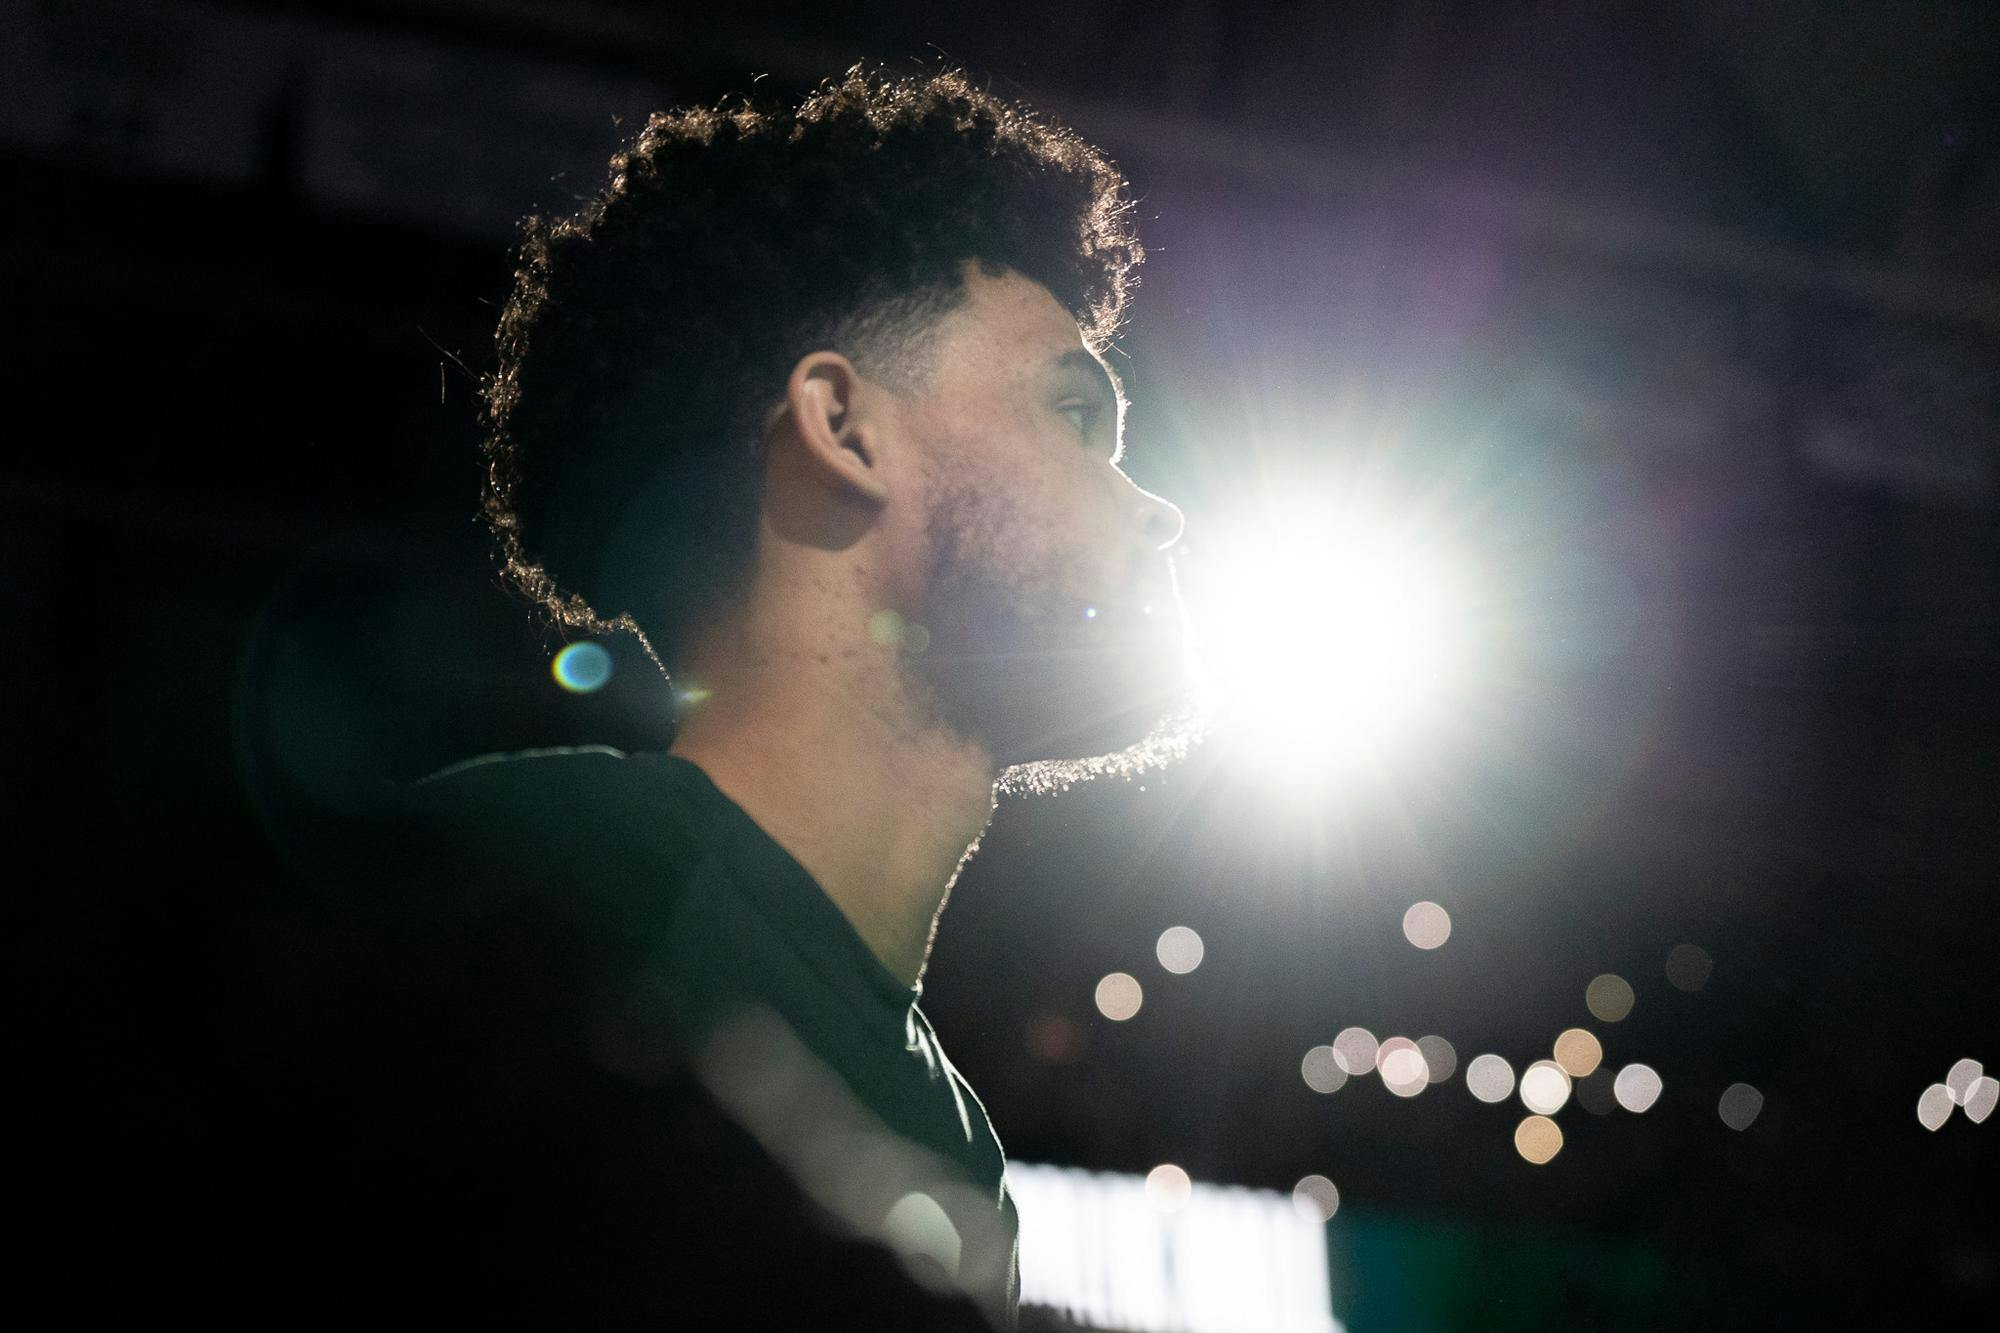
x,y
648,333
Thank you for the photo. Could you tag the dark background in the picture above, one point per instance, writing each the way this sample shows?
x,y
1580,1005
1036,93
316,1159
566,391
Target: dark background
x,y
1691,307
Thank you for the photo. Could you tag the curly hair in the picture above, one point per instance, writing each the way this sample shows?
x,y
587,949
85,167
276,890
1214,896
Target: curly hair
x,y
648,334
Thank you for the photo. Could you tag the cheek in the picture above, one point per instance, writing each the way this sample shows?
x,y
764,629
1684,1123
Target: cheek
x,y
1008,503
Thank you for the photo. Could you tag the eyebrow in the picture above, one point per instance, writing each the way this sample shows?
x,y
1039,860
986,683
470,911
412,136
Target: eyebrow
x,y
1081,360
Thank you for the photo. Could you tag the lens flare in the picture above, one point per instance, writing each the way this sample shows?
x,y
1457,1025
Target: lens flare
x,y
582,668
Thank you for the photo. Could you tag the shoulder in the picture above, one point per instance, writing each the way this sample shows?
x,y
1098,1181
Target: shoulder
x,y
589,824
581,816
528,796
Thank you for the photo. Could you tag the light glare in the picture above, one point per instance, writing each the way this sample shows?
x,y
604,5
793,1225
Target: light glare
x,y
1321,635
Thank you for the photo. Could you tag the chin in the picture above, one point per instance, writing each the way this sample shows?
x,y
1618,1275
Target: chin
x,y
1121,715
1164,742
1059,698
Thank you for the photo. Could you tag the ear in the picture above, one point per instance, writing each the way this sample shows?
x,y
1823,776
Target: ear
x,y
840,439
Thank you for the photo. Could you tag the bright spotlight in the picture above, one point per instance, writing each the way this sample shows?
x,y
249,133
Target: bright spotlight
x,y
1321,637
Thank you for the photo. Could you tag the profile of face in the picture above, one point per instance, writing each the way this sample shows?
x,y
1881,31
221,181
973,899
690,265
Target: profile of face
x,y
1055,632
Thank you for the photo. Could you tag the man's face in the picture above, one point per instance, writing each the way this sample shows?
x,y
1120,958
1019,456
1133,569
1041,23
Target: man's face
x,y
1055,629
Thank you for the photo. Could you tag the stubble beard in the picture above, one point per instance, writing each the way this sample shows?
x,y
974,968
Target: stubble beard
x,y
1015,665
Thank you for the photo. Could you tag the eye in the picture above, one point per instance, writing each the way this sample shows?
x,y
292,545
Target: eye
x,y
1083,415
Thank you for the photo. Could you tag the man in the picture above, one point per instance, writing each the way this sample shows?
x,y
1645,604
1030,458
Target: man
x,y
811,400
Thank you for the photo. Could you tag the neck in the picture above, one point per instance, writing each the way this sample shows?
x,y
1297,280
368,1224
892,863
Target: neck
x,y
821,740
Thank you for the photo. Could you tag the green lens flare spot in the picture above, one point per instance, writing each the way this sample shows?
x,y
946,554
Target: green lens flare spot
x,y
582,668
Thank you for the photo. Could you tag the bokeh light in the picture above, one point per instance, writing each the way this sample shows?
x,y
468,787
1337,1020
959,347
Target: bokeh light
x,y
1544,1087
1578,1052
1489,1078
1321,1071
1402,1067
1608,997
582,668
886,628
1934,1106
1119,996
1355,1049
1637,1087
1688,967
891,630
1315,1197
1538,1138
1053,1039
917,1226
1426,925
1739,1106
1594,1093
1439,1057
1168,1187
1961,1078
1179,950
1980,1097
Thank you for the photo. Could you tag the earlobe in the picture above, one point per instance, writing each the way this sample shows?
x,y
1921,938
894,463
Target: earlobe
x,y
831,408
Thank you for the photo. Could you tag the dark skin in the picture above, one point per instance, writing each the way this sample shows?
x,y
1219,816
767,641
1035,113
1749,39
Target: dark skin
x,y
986,506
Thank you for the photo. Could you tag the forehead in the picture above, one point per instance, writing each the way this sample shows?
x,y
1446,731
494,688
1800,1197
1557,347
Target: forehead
x,y
1008,323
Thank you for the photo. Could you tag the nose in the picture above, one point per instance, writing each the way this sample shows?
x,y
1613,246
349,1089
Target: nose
x,y
1159,519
